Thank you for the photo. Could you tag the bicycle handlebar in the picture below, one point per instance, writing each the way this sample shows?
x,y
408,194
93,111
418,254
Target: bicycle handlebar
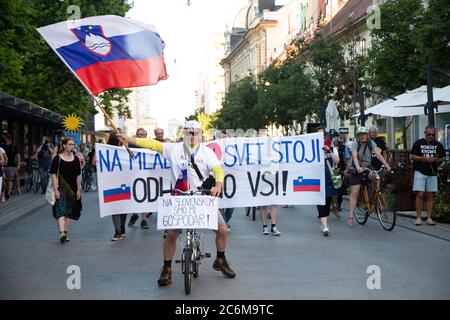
x,y
188,193
375,171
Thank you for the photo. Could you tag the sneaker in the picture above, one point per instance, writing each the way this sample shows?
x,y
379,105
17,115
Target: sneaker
x,y
325,231
3,198
265,231
62,237
418,222
117,236
133,220
144,224
221,264
275,232
166,276
228,227
67,237
430,222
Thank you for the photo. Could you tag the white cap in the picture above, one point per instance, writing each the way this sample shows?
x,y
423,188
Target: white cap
x,y
192,124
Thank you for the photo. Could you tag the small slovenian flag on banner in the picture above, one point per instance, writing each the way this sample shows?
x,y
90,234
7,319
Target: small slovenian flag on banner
x,y
117,194
311,185
107,52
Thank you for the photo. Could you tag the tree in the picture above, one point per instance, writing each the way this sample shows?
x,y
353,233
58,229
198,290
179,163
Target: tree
x,y
411,36
285,94
239,108
325,60
31,70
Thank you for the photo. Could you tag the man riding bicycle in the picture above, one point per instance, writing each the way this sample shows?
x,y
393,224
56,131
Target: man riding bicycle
x,y
361,152
185,178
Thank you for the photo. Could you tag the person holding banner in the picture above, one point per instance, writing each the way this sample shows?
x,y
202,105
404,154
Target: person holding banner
x,y
66,177
119,220
140,133
332,158
184,157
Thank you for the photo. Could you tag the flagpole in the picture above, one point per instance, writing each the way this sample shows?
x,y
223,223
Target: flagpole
x,y
91,95
125,143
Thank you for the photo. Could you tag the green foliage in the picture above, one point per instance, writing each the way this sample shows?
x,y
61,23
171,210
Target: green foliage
x,y
410,37
285,94
239,108
31,70
326,63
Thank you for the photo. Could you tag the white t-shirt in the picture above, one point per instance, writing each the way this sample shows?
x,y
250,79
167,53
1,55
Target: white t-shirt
x,y
2,150
204,157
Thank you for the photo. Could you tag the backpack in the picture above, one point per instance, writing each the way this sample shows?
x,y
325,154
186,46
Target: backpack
x,y
369,143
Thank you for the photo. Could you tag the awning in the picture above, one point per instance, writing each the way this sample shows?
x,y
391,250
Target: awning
x,y
13,108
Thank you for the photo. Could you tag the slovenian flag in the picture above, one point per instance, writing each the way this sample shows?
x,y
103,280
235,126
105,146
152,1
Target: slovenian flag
x,y
117,194
311,185
182,182
107,52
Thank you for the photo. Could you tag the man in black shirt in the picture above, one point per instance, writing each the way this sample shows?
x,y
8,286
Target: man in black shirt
x,y
373,135
426,155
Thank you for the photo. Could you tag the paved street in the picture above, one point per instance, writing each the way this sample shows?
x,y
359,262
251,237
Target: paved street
x,y
301,264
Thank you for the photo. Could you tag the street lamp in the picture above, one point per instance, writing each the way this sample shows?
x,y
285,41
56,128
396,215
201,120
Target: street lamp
x,y
431,105
362,117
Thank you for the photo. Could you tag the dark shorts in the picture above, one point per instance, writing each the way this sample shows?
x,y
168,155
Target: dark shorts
x,y
356,179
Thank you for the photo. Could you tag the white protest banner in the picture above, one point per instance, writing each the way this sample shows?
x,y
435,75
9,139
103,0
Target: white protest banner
x,y
187,212
130,186
258,171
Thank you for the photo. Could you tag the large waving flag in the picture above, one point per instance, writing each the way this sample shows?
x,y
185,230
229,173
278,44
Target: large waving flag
x,y
107,52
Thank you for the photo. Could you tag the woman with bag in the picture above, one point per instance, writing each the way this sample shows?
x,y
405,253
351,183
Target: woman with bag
x,y
66,179
331,180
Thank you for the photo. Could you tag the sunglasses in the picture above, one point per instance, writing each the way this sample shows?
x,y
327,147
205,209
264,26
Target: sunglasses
x,y
192,133
431,134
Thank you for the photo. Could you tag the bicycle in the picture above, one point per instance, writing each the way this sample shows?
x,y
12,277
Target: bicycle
x,y
192,254
87,179
33,179
385,208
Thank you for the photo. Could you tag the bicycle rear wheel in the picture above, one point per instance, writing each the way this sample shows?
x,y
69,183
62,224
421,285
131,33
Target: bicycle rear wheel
x,y
29,183
386,211
187,267
36,181
361,214
87,183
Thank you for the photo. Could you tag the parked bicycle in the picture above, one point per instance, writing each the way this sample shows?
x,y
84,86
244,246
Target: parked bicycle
x,y
380,202
33,181
88,179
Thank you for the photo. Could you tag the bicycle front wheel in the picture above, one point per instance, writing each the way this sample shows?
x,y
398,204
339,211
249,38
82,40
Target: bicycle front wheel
x,y
386,212
187,264
361,214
